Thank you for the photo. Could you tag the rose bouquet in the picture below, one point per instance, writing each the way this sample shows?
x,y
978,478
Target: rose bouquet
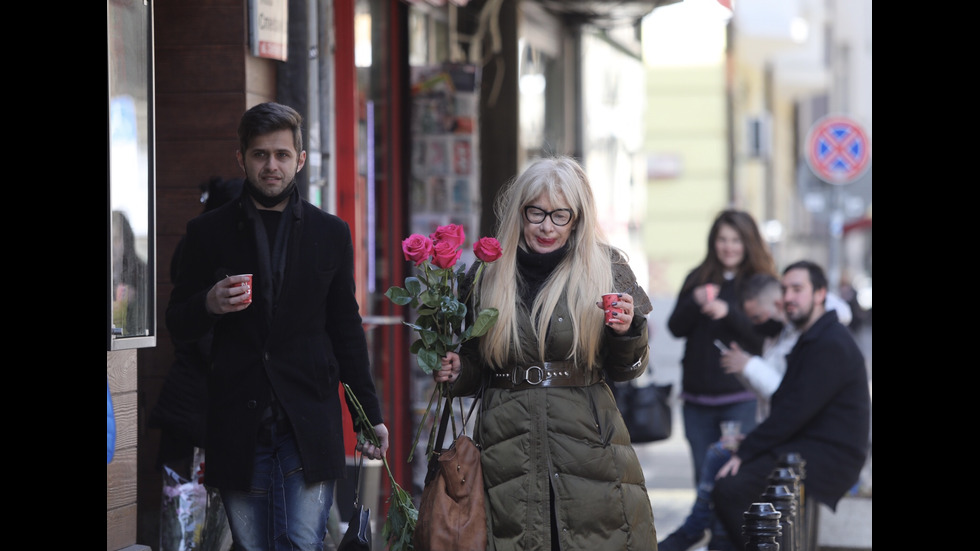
x,y
434,292
435,295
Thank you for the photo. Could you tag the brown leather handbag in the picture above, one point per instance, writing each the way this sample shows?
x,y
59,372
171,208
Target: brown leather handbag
x,y
452,514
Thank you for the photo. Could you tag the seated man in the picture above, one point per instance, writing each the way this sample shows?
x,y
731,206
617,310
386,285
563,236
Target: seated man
x,y
821,409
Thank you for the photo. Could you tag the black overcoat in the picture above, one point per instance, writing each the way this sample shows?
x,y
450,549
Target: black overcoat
x,y
302,344
821,410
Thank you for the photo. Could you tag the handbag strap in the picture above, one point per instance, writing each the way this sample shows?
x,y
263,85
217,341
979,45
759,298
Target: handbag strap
x,y
447,412
443,424
357,476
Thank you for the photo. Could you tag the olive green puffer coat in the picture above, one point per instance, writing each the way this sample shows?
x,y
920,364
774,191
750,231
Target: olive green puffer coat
x,y
567,441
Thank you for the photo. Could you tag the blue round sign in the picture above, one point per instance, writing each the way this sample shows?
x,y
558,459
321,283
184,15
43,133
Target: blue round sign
x,y
838,150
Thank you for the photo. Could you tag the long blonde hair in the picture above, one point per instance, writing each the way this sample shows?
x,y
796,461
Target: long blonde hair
x,y
565,183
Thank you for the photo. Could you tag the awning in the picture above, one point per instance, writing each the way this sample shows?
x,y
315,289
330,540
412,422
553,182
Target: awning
x,y
603,13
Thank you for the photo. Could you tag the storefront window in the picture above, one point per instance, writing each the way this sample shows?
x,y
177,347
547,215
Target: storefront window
x,y
130,221
543,55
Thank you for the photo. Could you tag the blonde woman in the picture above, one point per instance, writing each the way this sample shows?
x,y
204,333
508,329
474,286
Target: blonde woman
x,y
559,470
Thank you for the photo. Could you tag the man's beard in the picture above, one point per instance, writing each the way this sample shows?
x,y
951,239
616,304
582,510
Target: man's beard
x,y
802,319
265,200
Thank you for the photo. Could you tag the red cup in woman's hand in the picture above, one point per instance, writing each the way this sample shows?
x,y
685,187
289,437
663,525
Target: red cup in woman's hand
x,y
608,300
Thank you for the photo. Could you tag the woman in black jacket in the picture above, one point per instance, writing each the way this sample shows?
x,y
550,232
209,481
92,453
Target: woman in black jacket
x,y
708,309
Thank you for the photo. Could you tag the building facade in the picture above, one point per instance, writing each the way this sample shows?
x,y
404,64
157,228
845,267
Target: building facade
x,y
181,74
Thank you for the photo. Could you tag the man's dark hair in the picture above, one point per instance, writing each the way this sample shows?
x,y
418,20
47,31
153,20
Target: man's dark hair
x,y
757,284
266,118
817,277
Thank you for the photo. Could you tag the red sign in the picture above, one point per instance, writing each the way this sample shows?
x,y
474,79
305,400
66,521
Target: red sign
x,y
838,150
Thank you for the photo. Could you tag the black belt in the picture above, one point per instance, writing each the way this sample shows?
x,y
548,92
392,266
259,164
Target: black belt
x,y
547,374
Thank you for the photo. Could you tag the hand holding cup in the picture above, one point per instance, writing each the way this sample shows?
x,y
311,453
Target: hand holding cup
x,y
231,294
619,310
731,434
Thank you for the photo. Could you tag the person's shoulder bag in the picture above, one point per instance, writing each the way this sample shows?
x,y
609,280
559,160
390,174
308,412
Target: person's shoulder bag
x,y
452,512
646,409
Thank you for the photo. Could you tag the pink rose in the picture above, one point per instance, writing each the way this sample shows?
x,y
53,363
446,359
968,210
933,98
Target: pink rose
x,y
445,254
452,234
487,249
417,248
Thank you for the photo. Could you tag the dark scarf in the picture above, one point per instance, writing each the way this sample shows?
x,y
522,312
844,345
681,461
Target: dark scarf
x,y
534,270
265,200
271,239
272,229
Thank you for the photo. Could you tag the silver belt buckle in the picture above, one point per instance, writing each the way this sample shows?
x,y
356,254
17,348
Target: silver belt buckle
x,y
527,378
528,371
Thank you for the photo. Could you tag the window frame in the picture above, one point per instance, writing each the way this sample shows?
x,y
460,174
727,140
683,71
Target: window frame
x,y
147,316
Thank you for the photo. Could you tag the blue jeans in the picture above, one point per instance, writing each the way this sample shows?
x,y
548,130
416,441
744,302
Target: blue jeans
x,y
702,514
702,427
281,512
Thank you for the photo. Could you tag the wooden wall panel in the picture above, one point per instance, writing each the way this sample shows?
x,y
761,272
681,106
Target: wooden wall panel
x,y
186,161
190,23
196,70
198,117
121,473
120,527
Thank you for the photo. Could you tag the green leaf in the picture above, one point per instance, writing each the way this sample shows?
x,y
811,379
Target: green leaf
x,y
447,341
426,311
484,321
428,360
398,295
454,308
416,346
430,299
429,338
413,285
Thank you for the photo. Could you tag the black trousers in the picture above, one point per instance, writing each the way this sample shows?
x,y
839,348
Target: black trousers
x,y
733,495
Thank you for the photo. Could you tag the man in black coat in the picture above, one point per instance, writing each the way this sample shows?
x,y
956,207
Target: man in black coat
x,y
280,347
821,410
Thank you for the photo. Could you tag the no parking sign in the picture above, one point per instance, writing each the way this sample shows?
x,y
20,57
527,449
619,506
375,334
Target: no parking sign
x,y
838,150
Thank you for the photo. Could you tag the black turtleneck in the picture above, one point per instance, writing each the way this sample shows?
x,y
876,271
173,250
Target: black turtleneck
x,y
534,269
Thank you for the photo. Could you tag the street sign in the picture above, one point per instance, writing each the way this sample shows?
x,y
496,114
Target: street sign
x,y
838,150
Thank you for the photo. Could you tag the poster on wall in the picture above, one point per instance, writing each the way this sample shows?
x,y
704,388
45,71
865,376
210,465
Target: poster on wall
x,y
267,28
445,172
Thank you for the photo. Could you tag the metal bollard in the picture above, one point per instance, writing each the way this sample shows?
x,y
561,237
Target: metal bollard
x,y
785,476
784,501
761,527
807,507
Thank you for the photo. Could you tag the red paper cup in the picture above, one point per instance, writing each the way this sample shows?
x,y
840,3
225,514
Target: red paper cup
x,y
248,288
710,292
607,304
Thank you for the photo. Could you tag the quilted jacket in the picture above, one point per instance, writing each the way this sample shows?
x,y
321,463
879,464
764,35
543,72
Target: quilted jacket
x,y
566,445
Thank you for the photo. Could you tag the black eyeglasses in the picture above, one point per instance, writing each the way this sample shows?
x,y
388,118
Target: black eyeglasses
x,y
559,217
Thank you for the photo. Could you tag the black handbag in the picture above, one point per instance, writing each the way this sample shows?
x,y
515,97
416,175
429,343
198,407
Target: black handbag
x,y
358,534
646,411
